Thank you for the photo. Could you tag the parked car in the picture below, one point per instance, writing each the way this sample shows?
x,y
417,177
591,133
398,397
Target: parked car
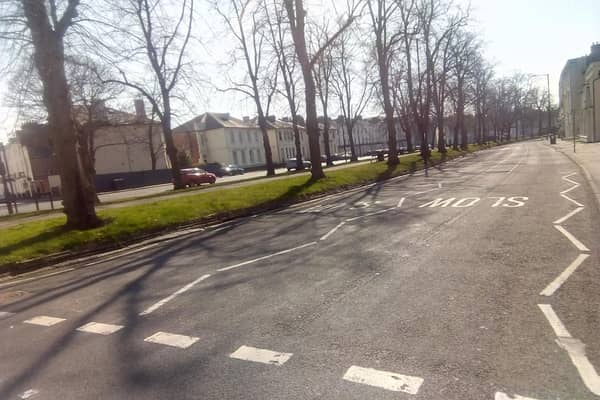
x,y
196,176
337,157
214,168
291,164
232,169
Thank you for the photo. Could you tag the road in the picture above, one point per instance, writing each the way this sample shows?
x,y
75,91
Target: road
x,y
477,281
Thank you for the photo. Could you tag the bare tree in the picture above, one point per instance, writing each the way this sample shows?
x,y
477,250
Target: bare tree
x,y
353,90
383,14
158,42
47,32
283,48
297,20
249,28
323,72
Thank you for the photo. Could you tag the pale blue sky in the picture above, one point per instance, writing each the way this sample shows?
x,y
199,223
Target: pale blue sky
x,y
530,36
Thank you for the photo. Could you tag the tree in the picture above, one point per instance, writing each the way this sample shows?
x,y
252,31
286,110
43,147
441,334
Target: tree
x,y
323,72
382,13
47,32
158,42
353,96
287,62
246,15
297,20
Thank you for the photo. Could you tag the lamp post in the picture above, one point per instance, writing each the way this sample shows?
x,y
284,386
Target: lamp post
x,y
594,106
6,191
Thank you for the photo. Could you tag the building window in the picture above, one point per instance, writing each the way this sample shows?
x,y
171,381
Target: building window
x,y
243,157
240,137
231,138
251,153
235,157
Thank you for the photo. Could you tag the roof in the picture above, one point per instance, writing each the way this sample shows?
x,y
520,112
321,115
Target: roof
x,y
114,117
210,120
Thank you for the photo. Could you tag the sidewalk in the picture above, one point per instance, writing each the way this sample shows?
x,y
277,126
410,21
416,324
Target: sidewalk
x,y
587,156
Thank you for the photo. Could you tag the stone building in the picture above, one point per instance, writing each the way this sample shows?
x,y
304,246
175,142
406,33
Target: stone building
x,y
579,90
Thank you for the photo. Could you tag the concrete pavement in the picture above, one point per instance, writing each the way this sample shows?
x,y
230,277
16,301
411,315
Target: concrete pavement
x,y
474,282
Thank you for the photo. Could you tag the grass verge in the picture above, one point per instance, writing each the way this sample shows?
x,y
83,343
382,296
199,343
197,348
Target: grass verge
x,y
36,239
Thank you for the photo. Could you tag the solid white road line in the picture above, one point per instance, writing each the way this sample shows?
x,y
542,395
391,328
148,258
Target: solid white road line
x,y
569,215
566,178
580,246
575,348
99,328
578,204
171,339
570,189
164,301
401,202
28,394
562,278
16,282
555,322
6,314
504,396
44,321
331,232
263,356
384,380
576,351
266,257
122,253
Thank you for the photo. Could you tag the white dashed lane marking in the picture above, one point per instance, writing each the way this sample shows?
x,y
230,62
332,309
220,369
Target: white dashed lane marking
x,y
99,328
384,380
44,320
5,314
164,301
171,339
28,394
504,396
263,356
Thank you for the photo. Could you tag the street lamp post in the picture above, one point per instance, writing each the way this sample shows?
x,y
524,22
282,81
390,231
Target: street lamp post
x,y
594,106
6,191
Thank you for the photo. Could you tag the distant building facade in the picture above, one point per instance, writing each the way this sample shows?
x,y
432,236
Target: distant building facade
x,y
579,91
222,138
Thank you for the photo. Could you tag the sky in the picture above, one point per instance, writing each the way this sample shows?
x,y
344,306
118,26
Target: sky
x,y
528,36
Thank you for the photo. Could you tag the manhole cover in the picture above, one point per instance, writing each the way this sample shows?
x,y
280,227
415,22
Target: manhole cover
x,y
9,297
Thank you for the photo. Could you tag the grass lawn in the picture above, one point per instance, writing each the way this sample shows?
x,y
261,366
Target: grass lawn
x,y
41,238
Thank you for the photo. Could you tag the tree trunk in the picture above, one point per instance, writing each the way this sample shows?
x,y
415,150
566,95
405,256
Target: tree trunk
x,y
297,15
349,129
297,143
77,191
262,123
326,125
87,157
169,144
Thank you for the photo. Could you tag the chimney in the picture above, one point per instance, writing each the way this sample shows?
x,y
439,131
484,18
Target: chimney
x,y
246,119
99,110
140,109
271,119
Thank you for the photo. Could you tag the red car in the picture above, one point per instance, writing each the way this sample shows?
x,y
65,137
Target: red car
x,y
196,176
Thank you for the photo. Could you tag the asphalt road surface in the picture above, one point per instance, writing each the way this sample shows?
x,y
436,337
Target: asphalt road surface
x,y
478,281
